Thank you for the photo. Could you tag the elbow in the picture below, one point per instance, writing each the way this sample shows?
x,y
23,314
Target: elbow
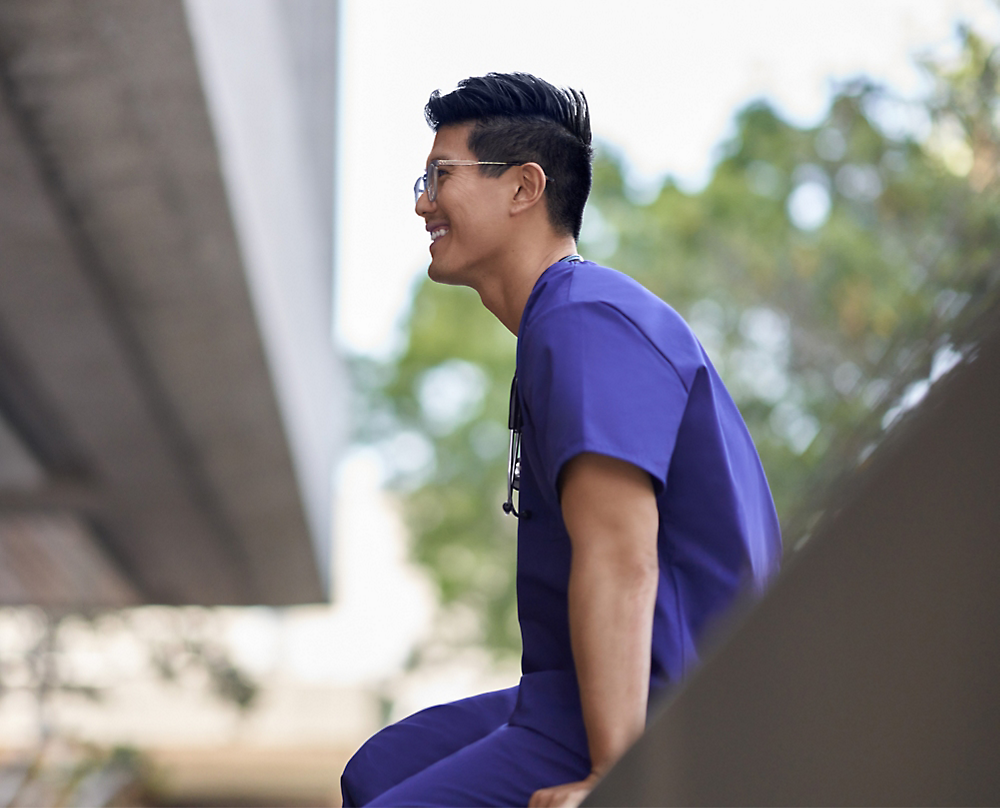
x,y
632,567
636,553
625,550
643,570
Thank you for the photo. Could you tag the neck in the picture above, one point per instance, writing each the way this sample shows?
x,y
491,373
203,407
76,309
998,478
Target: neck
x,y
505,290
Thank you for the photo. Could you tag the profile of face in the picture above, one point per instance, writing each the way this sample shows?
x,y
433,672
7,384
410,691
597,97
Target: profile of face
x,y
467,219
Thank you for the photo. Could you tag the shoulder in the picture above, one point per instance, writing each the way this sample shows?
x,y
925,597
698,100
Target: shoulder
x,y
571,302
583,282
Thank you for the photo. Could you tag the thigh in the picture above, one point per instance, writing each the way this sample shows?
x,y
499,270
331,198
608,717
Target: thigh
x,y
407,747
504,768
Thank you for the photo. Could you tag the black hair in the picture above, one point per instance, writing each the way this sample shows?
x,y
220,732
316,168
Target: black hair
x,y
520,118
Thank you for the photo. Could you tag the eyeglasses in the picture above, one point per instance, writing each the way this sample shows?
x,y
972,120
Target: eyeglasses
x,y
515,422
428,181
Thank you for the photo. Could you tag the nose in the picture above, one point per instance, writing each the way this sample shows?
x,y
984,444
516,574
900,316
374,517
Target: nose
x,y
423,205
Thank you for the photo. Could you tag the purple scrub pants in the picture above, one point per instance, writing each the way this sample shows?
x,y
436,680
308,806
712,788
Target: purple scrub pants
x,y
459,754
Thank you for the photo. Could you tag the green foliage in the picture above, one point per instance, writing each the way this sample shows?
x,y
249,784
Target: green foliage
x,y
819,266
453,509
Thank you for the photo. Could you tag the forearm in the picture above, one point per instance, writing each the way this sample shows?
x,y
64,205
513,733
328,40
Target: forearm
x,y
612,519
611,601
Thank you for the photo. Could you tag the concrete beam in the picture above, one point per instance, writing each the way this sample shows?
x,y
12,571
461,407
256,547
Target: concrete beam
x,y
125,301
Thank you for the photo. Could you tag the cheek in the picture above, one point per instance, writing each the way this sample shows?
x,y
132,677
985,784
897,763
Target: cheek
x,y
466,217
485,212
475,215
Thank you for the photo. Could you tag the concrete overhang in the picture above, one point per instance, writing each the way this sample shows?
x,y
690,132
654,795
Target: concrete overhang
x,y
154,446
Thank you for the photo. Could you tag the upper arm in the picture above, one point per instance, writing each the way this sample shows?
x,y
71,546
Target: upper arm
x,y
609,504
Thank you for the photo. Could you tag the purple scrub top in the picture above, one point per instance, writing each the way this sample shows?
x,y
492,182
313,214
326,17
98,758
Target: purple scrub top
x,y
605,366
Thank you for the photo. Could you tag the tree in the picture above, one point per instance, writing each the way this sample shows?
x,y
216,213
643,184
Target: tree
x,y
824,268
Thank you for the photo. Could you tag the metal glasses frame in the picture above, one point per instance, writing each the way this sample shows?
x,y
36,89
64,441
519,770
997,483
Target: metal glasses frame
x,y
428,181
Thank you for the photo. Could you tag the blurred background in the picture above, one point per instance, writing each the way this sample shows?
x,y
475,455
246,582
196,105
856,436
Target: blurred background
x,y
251,461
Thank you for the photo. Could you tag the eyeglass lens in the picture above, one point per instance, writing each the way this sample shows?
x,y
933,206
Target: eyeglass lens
x,y
426,182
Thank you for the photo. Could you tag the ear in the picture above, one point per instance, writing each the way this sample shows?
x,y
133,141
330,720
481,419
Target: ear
x,y
530,188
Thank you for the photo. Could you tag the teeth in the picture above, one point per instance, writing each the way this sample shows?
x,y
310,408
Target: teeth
x,y
436,234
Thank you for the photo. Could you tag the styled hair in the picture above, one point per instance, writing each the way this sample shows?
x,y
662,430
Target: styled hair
x,y
517,117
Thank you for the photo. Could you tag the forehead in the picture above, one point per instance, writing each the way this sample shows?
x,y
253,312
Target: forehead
x,y
452,143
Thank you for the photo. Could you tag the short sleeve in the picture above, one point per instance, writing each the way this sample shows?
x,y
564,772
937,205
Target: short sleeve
x,y
591,381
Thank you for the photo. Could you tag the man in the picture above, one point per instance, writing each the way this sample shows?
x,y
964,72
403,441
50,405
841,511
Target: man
x,y
643,509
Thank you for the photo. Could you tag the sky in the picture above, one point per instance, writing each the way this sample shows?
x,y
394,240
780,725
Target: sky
x,y
663,79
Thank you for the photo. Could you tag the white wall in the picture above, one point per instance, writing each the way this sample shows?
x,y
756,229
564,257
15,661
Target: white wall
x,y
279,186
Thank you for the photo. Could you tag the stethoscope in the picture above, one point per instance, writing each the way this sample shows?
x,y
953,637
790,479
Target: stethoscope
x,y
515,423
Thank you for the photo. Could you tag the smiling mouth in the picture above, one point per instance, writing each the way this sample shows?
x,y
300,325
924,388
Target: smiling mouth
x,y
436,234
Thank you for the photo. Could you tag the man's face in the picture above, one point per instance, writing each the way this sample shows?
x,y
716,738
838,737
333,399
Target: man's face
x,y
468,220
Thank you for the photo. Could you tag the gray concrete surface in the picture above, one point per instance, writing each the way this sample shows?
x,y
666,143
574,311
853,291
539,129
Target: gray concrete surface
x,y
870,673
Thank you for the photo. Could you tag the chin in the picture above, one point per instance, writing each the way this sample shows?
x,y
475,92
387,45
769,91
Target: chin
x,y
440,274
434,273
